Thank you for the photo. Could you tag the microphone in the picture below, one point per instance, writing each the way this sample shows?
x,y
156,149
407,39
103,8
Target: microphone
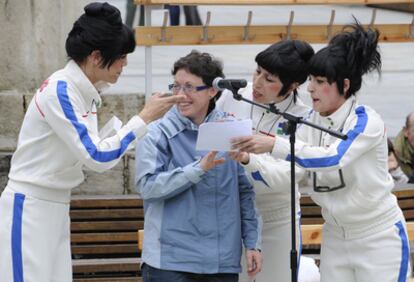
x,y
220,83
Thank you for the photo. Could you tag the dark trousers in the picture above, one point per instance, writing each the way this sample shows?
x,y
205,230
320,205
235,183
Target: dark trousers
x,y
130,14
192,16
151,274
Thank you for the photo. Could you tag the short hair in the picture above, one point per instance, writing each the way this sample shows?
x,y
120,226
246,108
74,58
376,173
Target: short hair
x,y
100,28
288,60
407,120
349,55
204,66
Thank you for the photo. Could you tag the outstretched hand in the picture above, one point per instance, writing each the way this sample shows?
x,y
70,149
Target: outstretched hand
x,y
157,105
241,157
209,161
257,144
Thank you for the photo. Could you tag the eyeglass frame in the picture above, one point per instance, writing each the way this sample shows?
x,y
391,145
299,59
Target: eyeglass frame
x,y
324,189
183,87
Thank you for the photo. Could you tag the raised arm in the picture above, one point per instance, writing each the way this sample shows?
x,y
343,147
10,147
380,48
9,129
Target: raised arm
x,y
364,132
157,178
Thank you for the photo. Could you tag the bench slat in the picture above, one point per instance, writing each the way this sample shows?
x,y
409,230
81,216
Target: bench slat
x,y
106,265
407,203
100,249
311,234
81,203
311,210
106,214
108,279
405,193
306,201
103,237
409,215
311,220
107,225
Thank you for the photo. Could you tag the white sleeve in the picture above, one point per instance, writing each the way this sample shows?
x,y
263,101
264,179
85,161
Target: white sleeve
x,y
63,113
264,171
365,132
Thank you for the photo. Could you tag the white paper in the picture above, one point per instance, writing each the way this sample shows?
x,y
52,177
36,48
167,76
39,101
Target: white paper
x,y
110,128
217,135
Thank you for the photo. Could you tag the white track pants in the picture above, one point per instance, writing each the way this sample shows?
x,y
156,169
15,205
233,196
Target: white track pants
x,y
381,256
34,239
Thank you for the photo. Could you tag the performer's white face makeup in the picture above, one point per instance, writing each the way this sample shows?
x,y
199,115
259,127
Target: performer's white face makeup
x,y
95,72
266,87
325,96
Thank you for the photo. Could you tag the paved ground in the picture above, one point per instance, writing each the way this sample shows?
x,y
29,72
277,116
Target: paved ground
x,y
392,95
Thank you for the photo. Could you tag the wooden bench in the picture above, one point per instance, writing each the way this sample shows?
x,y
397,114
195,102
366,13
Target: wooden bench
x,y
104,234
311,221
103,237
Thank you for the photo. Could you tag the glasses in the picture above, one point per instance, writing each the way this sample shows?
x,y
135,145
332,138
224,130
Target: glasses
x,y
187,88
322,189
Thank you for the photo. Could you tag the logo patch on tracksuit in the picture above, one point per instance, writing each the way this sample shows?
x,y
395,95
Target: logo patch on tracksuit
x,y
281,128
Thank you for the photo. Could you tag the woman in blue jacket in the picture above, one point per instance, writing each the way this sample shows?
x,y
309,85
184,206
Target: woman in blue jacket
x,y
198,209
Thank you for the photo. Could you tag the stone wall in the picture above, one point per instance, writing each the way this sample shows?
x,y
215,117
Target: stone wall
x,y
32,39
119,180
12,109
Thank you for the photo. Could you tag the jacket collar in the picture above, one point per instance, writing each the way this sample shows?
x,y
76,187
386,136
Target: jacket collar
x,y
285,104
174,123
89,91
337,119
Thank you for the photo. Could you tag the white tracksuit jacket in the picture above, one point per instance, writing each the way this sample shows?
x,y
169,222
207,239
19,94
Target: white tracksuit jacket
x,y
362,158
363,220
271,180
58,136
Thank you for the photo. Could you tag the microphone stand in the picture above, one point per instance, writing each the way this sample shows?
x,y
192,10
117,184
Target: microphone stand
x,y
293,122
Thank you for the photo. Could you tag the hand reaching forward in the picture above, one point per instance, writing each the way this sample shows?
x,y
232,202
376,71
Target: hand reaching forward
x,y
241,157
209,161
157,106
257,144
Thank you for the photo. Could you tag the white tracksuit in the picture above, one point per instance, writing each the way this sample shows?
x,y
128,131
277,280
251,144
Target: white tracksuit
x,y
271,180
59,135
364,235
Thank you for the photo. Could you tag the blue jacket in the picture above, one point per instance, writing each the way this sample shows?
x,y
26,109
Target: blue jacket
x,y
195,221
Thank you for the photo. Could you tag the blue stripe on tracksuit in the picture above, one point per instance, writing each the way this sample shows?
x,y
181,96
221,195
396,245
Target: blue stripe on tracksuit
x,y
342,147
83,130
17,238
405,252
258,177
